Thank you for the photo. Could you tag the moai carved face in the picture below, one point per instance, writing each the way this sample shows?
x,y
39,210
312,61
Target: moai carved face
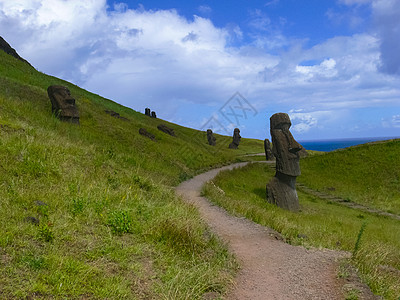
x,y
285,147
236,136
63,104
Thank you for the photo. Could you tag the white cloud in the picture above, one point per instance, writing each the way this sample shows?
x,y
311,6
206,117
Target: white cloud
x,y
161,59
204,9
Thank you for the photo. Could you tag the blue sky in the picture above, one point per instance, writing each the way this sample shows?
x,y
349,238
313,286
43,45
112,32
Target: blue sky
x,y
333,65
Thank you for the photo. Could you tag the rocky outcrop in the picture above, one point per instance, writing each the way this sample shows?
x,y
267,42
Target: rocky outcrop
x,y
63,104
268,151
236,139
281,190
166,129
11,51
211,138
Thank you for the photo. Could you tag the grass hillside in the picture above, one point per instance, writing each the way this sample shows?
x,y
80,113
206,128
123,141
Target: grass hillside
x,y
367,174
88,211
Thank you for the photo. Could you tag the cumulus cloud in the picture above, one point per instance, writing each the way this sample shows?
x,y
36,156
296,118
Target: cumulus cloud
x,y
387,16
161,59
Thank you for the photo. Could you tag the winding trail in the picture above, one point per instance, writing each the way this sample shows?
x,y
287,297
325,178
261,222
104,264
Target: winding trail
x,y
270,268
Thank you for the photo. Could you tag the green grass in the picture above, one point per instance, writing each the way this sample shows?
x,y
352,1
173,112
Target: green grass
x,y
367,174
110,225
318,224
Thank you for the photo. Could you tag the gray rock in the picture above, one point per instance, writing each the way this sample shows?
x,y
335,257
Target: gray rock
x,y
211,138
63,104
236,139
281,190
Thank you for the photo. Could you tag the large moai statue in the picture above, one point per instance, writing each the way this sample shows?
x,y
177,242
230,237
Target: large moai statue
x,y
236,139
281,190
268,151
63,104
211,138
147,111
153,114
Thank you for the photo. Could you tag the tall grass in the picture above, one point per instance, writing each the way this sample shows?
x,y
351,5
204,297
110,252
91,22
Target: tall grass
x,y
88,211
367,174
319,224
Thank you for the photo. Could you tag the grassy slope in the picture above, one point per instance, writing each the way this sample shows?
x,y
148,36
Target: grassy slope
x,y
110,225
321,223
367,174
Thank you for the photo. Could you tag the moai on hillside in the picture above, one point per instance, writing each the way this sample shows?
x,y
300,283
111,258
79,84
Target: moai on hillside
x,y
63,104
211,138
281,190
268,151
236,139
153,114
147,111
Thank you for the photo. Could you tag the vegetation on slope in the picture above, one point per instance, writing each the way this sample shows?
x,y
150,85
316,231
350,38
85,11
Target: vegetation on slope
x,y
88,211
319,223
368,174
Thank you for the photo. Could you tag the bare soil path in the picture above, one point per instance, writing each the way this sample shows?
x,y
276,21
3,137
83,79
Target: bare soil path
x,y
270,268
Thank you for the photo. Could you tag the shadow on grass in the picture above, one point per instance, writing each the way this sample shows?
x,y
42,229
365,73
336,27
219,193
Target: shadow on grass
x,y
260,192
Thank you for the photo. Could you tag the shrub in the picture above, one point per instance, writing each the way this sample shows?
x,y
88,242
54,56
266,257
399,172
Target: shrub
x,y
120,222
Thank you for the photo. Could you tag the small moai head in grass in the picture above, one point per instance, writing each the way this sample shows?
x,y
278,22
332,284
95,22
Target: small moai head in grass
x,y
153,114
63,104
236,139
211,138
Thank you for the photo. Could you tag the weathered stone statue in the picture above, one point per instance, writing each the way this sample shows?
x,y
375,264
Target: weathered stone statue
x,y
210,137
281,190
147,111
63,104
153,114
236,139
145,133
166,129
268,150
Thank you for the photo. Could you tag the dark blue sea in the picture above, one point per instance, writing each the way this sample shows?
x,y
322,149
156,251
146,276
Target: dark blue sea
x,y
330,145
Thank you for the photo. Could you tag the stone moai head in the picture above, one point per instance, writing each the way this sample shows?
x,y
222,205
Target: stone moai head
x,y
153,114
147,111
236,139
210,137
63,104
236,136
285,147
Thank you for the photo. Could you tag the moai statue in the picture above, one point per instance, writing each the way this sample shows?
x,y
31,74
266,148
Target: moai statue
x,y
268,151
281,190
153,114
147,111
63,104
211,138
236,139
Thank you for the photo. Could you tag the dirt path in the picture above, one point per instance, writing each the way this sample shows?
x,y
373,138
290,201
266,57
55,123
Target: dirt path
x,y
270,268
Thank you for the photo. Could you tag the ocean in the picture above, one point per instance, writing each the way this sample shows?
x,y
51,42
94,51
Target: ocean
x,y
330,145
